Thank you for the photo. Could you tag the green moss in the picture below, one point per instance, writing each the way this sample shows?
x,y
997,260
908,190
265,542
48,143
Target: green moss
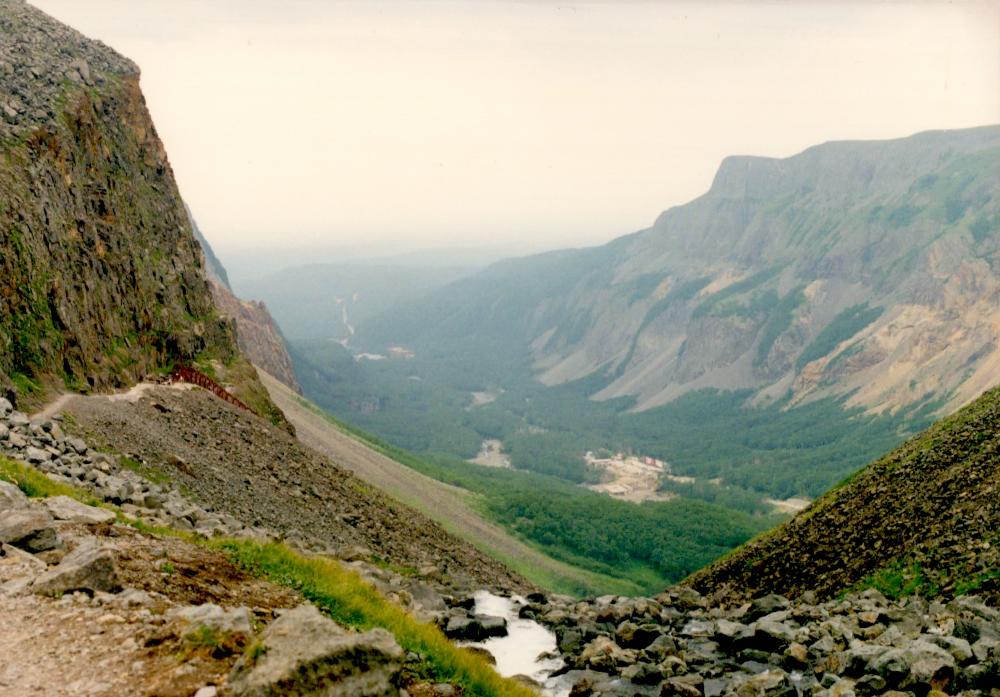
x,y
25,385
899,580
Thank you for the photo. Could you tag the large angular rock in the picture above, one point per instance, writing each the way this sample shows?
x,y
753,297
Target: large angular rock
x,y
604,655
30,529
303,653
88,568
475,628
65,508
11,497
920,664
37,455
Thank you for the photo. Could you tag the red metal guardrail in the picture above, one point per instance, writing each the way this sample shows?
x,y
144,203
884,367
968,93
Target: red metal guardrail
x,y
186,373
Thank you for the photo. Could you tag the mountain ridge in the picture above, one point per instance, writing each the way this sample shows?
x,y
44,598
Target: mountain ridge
x,y
782,247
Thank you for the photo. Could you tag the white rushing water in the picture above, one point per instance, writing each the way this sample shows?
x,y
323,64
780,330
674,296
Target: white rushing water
x,y
519,652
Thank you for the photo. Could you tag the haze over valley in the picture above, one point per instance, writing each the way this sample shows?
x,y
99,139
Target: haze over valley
x,y
399,349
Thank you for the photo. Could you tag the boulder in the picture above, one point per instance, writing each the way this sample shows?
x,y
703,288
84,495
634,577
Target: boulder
x,y
304,653
11,497
761,607
65,508
78,445
679,687
769,682
604,655
89,568
633,636
918,664
30,529
475,628
37,455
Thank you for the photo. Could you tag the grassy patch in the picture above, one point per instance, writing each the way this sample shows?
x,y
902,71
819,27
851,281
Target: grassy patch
x,y
347,599
25,385
36,485
901,579
973,583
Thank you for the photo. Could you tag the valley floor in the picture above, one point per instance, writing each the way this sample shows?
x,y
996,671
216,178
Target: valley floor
x,y
449,506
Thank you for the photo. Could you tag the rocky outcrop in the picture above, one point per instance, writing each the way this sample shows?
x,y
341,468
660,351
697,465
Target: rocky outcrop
x,y
257,334
100,277
304,653
89,567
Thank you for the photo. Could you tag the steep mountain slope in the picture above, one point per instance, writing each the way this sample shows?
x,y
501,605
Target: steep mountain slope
x,y
860,269
257,334
926,516
100,278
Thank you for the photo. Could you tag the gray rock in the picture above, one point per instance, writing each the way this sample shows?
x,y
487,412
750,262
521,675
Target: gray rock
x,y
959,649
89,568
762,607
18,420
920,663
233,621
304,653
5,407
37,455
65,508
475,628
11,497
30,529
78,445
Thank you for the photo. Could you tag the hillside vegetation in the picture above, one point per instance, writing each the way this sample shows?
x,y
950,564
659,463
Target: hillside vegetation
x,y
925,518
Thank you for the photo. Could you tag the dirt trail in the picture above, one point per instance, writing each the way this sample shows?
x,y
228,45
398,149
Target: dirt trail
x,y
52,407
447,505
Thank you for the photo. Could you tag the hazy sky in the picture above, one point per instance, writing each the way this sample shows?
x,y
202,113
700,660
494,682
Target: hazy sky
x,y
427,124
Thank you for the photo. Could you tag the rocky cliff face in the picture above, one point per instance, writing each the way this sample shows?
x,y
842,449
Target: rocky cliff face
x,y
866,270
257,334
100,277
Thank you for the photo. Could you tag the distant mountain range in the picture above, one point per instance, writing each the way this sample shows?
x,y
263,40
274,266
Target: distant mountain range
x,y
859,270
327,301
